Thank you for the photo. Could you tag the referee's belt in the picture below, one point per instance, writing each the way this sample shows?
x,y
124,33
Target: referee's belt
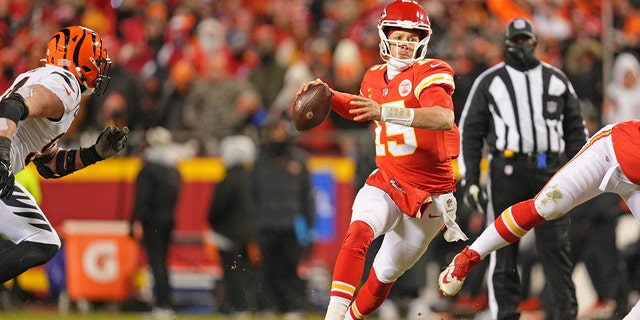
x,y
525,156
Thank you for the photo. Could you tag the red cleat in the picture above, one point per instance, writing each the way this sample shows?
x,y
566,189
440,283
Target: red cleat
x,y
452,278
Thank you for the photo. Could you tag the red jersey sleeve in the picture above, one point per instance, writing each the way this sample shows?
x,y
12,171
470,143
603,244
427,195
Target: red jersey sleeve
x,y
435,96
340,104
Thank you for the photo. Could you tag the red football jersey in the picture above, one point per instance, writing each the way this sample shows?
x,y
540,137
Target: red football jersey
x,y
418,157
626,144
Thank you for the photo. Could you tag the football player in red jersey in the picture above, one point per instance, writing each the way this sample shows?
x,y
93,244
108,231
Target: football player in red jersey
x,y
409,197
35,112
607,163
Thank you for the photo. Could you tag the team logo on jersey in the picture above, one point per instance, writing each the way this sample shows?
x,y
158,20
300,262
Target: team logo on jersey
x,y
385,92
396,185
405,87
552,106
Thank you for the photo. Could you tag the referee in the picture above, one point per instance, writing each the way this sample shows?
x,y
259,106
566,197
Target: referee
x,y
527,114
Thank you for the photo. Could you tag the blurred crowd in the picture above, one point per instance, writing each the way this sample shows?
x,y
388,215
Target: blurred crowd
x,y
209,69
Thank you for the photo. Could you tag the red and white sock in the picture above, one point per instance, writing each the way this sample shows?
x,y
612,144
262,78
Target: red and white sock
x,y
509,227
349,266
372,294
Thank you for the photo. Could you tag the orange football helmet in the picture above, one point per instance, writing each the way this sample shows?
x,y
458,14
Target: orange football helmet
x,y
407,15
81,51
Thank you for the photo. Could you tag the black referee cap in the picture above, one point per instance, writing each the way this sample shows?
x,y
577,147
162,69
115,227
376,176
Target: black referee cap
x,y
520,26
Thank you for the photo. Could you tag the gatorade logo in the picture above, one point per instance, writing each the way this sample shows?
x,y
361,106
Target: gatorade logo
x,y
100,261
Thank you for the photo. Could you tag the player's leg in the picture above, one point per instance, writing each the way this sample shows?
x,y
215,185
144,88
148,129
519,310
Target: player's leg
x,y
578,181
33,239
374,214
400,250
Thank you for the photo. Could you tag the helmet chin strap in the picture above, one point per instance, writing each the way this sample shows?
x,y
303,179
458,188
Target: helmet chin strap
x,y
87,91
82,78
398,64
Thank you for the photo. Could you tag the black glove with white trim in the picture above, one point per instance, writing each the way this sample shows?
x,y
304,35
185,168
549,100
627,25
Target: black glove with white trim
x,y
475,198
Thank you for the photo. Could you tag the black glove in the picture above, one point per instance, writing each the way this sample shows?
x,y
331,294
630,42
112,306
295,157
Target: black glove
x,y
7,180
111,141
475,198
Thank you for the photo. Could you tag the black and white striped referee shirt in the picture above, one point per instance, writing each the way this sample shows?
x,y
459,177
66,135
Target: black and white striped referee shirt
x,y
523,111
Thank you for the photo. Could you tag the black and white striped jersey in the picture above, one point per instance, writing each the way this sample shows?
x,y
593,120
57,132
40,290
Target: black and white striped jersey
x,y
526,112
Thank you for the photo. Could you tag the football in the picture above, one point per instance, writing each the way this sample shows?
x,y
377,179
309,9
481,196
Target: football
x,y
311,107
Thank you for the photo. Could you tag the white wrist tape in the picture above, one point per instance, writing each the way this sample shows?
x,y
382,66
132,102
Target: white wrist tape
x,y
397,115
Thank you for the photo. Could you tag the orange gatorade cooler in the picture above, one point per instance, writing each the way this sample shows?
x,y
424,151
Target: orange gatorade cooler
x,y
101,260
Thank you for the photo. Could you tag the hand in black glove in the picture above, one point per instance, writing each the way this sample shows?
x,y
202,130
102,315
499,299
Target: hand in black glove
x,y
7,180
111,141
474,197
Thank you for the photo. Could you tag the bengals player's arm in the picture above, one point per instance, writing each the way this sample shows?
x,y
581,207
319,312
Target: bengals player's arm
x,y
43,103
38,101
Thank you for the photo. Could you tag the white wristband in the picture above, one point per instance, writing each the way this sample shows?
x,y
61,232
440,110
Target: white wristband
x,y
397,115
